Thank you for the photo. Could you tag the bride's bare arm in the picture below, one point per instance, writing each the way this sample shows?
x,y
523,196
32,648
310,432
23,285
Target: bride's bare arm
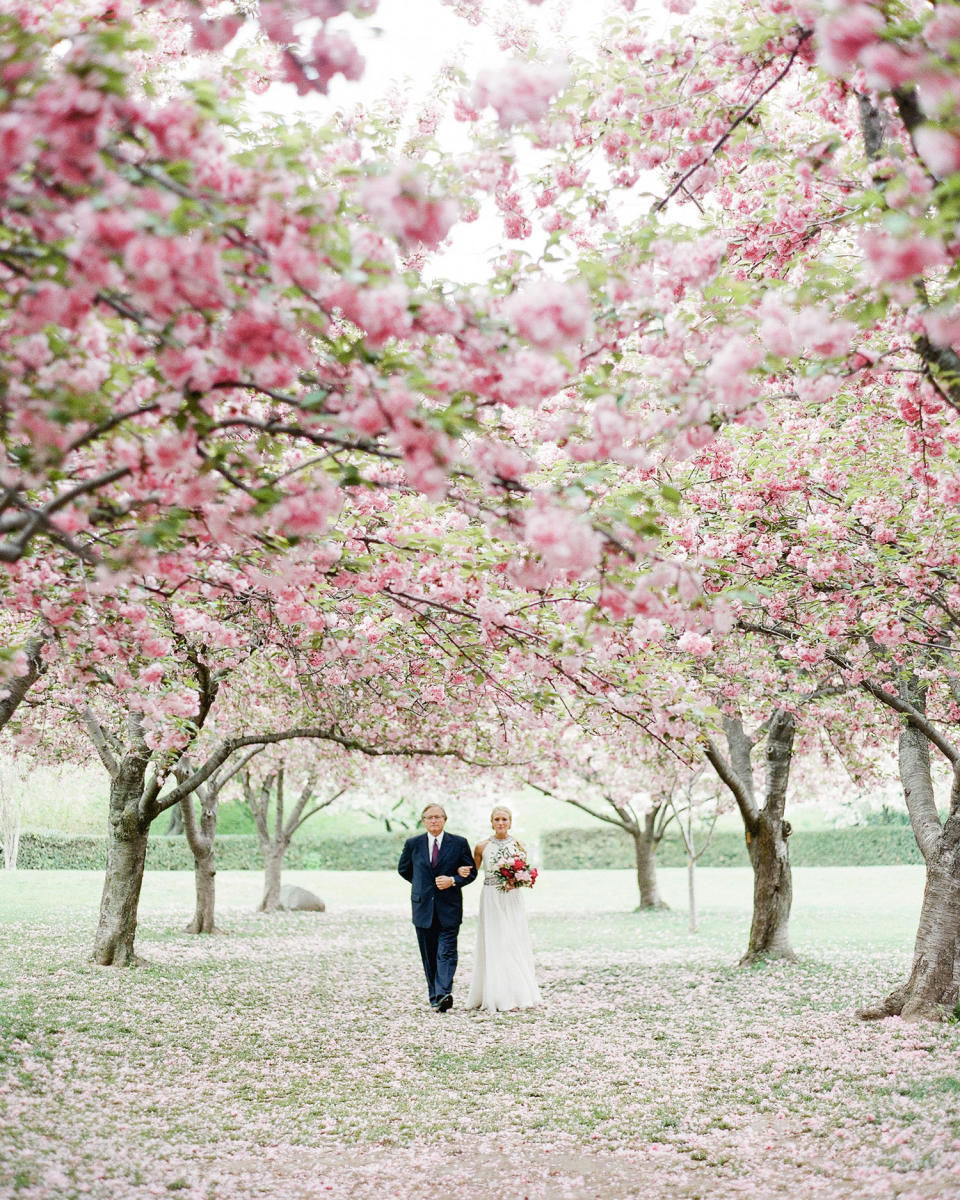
x,y
478,852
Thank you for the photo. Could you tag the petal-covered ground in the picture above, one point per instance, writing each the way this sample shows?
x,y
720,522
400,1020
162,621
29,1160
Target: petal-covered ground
x,y
297,1058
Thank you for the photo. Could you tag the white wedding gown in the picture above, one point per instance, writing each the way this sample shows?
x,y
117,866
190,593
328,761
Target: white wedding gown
x,y
503,974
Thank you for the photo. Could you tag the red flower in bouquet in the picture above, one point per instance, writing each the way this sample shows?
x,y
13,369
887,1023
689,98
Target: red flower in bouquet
x,y
515,873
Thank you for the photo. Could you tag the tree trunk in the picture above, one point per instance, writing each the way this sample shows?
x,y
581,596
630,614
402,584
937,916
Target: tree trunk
x,y
932,990
769,853
691,866
200,838
772,891
175,824
204,875
272,868
692,891
644,846
11,844
126,857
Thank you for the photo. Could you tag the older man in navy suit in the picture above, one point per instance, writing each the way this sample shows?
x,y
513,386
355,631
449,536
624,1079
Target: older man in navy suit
x,y
438,865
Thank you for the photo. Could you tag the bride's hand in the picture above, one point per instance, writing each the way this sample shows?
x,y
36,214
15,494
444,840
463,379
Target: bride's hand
x,y
463,872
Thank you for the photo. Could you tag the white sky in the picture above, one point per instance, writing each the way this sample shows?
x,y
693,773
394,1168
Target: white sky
x,y
411,39
406,43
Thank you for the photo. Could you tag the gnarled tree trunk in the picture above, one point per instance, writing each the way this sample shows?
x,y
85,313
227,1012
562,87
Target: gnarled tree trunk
x,y
769,852
772,890
204,875
765,829
126,857
931,992
200,838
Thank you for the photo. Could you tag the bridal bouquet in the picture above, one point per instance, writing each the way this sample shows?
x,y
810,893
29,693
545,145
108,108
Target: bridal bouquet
x,y
515,873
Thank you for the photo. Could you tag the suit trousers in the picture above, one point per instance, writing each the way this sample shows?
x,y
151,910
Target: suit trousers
x,y
438,949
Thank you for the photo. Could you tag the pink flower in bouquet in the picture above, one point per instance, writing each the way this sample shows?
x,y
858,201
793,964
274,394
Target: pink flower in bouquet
x,y
515,874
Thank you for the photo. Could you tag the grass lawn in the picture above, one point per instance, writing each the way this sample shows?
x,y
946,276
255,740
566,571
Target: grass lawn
x,y
297,1058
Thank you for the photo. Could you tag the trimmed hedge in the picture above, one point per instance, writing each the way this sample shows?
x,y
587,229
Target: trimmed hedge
x,y
879,846
876,846
235,852
561,850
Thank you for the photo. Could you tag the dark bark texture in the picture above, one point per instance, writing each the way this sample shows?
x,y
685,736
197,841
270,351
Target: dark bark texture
x,y
765,828
15,689
772,890
769,853
931,992
126,857
200,838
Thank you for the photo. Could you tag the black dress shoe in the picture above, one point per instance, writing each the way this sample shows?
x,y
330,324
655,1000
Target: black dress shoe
x,y
445,1003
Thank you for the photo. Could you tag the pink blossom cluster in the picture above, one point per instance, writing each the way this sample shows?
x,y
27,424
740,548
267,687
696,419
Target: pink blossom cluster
x,y
400,203
564,542
551,315
519,93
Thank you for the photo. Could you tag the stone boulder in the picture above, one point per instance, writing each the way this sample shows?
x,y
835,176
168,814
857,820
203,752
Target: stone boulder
x,y
298,899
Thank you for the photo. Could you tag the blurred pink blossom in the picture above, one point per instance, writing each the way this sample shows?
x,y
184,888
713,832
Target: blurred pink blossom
x,y
939,149
519,92
551,315
843,34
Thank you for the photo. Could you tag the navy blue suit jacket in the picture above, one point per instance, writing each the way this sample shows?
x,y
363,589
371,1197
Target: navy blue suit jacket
x,y
427,899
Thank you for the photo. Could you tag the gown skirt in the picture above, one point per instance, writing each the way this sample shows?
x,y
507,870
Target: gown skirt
x,y
503,971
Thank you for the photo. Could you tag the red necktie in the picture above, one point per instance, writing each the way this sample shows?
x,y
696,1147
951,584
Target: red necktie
x,y
434,853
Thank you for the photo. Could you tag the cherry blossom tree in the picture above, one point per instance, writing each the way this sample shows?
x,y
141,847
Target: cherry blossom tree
x,y
183,684
276,820
619,777
200,834
848,564
765,826
221,348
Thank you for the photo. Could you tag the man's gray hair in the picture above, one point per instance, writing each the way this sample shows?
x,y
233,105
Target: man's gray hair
x,y
429,806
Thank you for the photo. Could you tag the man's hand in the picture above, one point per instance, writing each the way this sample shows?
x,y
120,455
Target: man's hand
x,y
445,881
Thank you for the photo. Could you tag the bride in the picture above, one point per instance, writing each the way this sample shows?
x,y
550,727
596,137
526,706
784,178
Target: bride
x,y
503,975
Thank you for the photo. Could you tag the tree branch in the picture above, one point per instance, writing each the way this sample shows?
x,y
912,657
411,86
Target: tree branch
x,y
16,687
728,133
916,718
621,824
292,828
99,740
748,810
229,745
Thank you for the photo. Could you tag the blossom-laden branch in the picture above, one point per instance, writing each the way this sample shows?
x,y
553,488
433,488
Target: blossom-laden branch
x,y
228,746
27,667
